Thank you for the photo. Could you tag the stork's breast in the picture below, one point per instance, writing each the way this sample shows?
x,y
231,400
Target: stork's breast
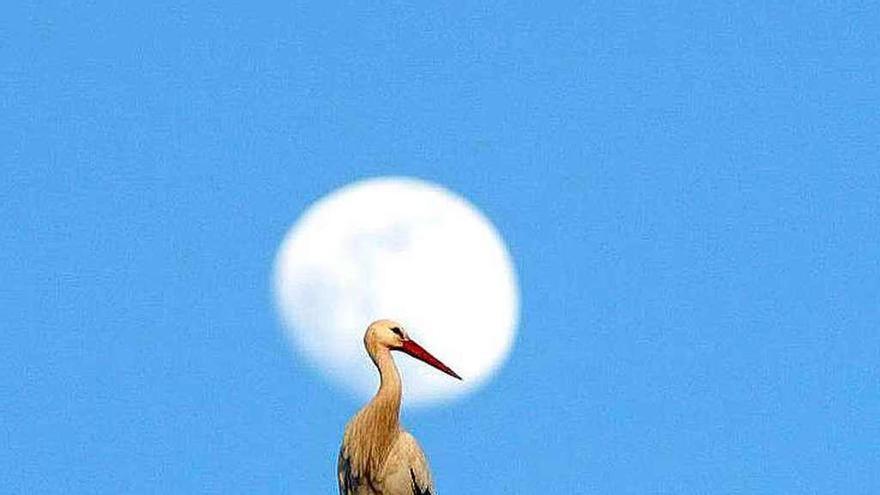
x,y
406,471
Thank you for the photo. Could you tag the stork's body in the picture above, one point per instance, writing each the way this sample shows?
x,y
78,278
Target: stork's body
x,y
377,455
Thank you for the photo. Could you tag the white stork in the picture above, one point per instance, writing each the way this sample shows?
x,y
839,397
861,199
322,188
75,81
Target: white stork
x,y
378,457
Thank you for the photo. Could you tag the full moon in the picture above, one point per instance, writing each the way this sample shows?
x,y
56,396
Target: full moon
x,y
407,250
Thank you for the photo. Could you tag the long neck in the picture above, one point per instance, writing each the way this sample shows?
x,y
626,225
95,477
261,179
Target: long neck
x,y
386,402
379,421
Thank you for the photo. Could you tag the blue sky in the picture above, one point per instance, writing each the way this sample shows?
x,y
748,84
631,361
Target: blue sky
x,y
691,195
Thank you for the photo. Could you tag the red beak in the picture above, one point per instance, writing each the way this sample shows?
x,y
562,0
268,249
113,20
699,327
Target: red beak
x,y
418,352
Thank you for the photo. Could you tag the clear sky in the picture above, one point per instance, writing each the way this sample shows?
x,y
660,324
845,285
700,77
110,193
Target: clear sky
x,y
691,195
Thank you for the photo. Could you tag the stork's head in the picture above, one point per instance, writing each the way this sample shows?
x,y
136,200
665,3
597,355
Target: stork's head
x,y
391,335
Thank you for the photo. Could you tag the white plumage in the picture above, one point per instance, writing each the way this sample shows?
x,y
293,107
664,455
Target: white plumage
x,y
377,455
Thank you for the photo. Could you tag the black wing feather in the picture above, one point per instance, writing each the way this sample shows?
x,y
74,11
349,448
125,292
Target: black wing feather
x,y
415,486
348,482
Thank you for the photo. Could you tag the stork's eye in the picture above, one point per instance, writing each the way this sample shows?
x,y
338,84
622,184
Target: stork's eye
x,y
397,331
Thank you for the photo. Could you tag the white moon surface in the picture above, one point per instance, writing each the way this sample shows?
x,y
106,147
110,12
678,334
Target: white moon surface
x,y
407,250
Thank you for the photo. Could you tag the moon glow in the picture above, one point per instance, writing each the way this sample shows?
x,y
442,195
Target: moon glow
x,y
407,250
